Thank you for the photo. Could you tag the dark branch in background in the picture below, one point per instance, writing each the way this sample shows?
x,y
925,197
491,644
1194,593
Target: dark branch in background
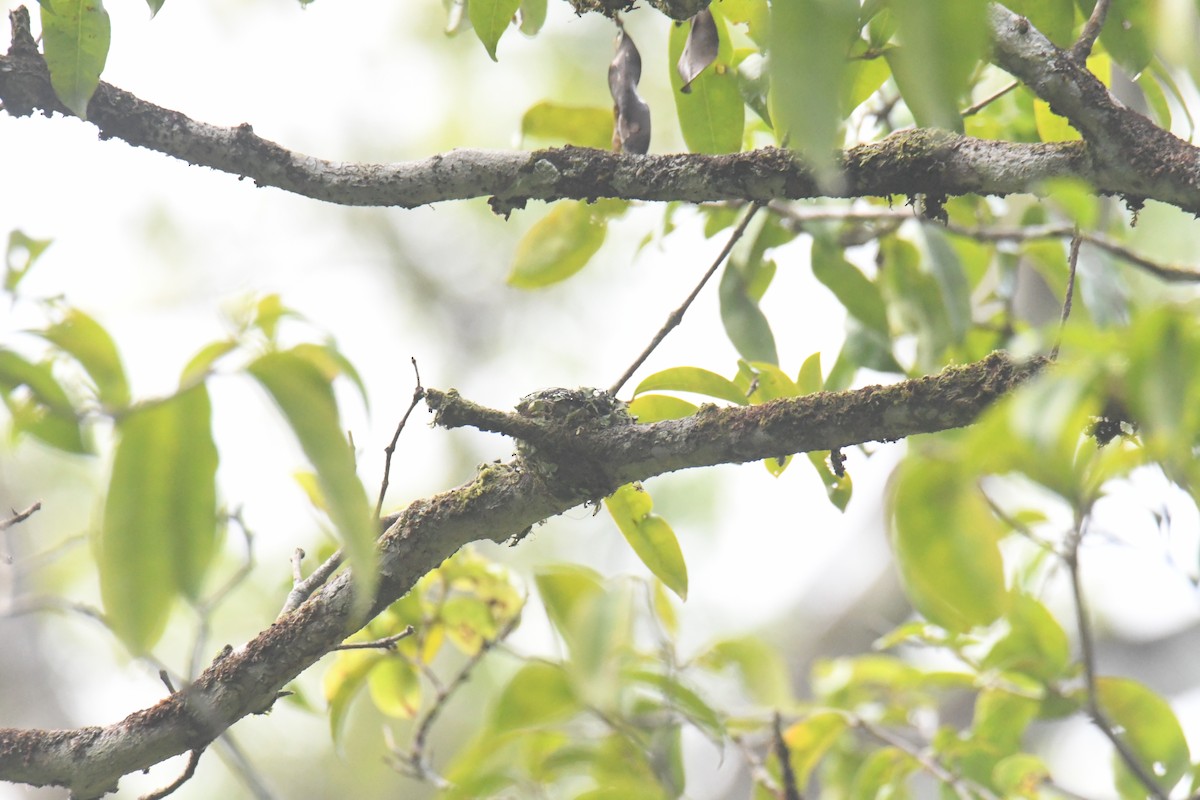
x,y
676,316
1126,154
786,774
501,501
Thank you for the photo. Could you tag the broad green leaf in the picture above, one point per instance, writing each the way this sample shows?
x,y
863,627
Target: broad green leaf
x,y
305,396
809,380
942,42
469,623
582,126
810,739
810,43
649,535
564,590
395,687
1128,33
533,16
539,694
761,670
692,379
865,74
46,412
744,321
75,36
490,18
1034,645
754,14
1021,775
341,684
712,115
1156,98
89,343
854,290
1050,126
656,407
160,519
946,544
882,774
38,378
683,699
770,383
952,282
558,245
22,253
1001,718
1147,724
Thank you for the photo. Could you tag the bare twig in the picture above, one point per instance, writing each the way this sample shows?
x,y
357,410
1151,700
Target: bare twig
x,y
302,589
1091,32
975,108
676,316
20,516
416,761
188,772
1088,655
786,773
418,395
297,565
386,643
1072,264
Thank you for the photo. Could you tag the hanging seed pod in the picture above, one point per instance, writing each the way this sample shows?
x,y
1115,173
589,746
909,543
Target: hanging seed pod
x,y
700,50
631,124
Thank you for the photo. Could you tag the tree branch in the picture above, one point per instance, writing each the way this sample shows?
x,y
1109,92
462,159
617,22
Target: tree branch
x,y
593,459
1126,153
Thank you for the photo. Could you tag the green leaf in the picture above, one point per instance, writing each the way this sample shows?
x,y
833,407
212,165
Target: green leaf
x,y
942,42
201,363
1147,724
684,700
582,126
22,253
305,396
692,379
712,115
1021,776
952,282
810,739
395,687
808,380
744,321
1128,32
341,684
490,18
854,290
564,590
649,535
657,407
539,694
533,16
762,672
156,5
89,343
75,35
1034,645
1001,718
946,544
46,413
558,245
881,773
810,40
838,488
160,519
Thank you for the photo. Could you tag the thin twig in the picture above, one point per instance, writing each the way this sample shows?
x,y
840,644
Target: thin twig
x,y
1072,264
297,565
975,108
386,643
964,789
1087,650
786,773
676,316
20,516
188,772
416,760
418,395
1091,32
758,770
303,589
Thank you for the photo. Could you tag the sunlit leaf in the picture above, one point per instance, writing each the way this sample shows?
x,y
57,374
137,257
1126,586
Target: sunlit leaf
x,y
304,395
649,535
89,343
558,245
712,115
583,126
75,37
1147,724
539,694
692,379
160,525
810,739
649,408
342,682
946,544
490,18
395,688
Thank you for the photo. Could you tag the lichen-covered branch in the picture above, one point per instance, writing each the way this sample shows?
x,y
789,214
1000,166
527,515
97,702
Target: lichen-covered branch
x,y
578,458
1125,153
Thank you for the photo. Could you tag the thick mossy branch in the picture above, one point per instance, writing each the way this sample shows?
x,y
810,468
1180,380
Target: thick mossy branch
x,y
585,449
1125,153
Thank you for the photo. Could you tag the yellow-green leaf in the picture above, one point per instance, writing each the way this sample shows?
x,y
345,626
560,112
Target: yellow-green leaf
x,y
582,126
558,245
490,18
539,694
305,396
656,407
693,379
395,687
75,34
649,535
160,521
89,343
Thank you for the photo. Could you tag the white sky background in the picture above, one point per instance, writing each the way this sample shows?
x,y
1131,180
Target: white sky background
x,y
155,249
